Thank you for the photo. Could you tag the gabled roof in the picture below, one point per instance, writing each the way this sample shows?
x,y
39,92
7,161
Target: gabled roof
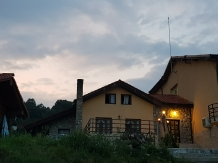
x,y
120,84
185,58
172,100
10,97
51,117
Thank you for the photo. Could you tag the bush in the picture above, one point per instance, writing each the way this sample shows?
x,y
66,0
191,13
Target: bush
x,y
169,141
78,147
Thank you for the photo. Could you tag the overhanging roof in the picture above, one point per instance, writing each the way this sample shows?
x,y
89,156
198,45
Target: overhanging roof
x,y
185,58
10,97
171,100
120,84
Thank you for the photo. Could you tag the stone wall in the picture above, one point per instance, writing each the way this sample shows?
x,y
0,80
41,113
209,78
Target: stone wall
x,y
67,122
207,138
183,114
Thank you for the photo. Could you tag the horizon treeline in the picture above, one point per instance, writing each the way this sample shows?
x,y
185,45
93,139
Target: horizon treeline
x,y
39,111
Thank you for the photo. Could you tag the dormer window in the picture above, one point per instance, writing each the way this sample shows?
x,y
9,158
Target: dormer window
x,y
110,98
174,90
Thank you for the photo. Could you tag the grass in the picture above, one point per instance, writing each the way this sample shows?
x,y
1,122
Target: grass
x,y
77,148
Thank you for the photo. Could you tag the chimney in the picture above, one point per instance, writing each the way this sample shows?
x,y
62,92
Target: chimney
x,y
79,104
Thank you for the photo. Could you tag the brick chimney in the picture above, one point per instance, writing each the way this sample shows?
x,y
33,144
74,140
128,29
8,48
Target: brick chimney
x,y
79,104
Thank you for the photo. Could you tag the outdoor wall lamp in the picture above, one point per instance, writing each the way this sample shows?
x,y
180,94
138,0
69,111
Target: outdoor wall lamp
x,y
168,121
163,112
158,120
174,114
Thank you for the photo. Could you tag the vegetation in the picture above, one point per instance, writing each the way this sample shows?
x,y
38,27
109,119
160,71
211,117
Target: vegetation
x,y
39,111
78,148
169,141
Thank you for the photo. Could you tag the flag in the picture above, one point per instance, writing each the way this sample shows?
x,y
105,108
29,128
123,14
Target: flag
x,y
5,131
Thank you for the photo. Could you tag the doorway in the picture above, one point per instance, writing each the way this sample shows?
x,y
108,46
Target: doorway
x,y
174,128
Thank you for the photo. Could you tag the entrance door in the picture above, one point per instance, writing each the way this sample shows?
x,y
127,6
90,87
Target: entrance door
x,y
173,127
133,125
104,125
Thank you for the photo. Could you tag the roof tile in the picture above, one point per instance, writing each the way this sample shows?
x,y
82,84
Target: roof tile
x,y
171,99
6,76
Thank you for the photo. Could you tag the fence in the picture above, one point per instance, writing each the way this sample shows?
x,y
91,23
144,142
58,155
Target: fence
x,y
109,126
213,112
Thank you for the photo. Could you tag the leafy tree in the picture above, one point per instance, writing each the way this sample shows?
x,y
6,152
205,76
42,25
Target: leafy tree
x,y
61,105
40,111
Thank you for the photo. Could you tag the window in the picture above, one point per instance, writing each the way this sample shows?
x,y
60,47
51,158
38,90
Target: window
x,y
110,99
104,125
64,131
174,90
126,99
133,125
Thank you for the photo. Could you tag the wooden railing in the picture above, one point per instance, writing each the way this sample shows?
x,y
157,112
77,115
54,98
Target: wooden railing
x,y
213,111
120,126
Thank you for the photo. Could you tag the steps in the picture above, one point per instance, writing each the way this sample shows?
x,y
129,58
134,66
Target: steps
x,y
196,155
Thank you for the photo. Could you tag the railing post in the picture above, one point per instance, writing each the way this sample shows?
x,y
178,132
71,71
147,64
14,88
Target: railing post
x,y
213,113
149,129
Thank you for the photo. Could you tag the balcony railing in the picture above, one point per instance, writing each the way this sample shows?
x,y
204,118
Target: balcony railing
x,y
213,113
119,126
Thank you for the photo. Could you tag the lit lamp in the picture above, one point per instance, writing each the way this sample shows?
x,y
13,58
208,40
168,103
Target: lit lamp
x,y
158,120
174,113
163,112
168,121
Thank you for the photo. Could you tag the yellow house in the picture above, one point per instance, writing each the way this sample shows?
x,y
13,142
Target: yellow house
x,y
118,106
194,77
112,107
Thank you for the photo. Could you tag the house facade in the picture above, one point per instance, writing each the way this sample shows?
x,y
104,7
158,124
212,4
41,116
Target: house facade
x,y
117,107
195,79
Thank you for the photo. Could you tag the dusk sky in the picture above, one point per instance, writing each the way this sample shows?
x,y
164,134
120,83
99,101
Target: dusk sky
x,y
49,44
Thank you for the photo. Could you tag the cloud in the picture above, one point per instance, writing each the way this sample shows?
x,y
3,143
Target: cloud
x,y
15,65
146,82
51,44
45,81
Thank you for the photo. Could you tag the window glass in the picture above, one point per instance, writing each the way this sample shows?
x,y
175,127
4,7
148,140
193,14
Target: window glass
x,y
133,125
104,125
110,98
126,99
174,90
64,131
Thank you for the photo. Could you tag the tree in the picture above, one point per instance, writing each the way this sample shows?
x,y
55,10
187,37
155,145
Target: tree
x,y
61,105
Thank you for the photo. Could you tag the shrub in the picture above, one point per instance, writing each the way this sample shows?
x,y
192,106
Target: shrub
x,y
169,141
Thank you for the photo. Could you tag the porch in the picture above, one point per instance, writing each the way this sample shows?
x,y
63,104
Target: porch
x,y
118,127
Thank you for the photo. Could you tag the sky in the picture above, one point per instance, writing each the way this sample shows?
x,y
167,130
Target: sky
x,y
48,45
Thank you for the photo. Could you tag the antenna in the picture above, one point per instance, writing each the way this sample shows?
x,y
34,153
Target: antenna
x,y
170,47
169,35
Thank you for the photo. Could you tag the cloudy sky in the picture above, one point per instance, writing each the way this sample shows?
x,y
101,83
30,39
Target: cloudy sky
x,y
49,44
